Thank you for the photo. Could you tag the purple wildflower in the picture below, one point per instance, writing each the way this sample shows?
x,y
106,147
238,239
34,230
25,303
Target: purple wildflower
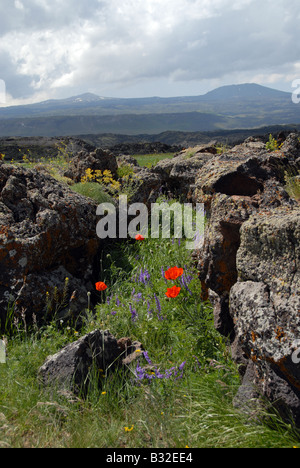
x,y
140,372
158,306
138,297
184,282
180,369
163,275
146,356
157,374
113,313
182,366
157,301
144,276
133,312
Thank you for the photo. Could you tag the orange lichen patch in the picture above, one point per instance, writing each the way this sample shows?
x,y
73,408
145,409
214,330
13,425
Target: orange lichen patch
x,y
4,230
204,291
253,336
280,334
253,356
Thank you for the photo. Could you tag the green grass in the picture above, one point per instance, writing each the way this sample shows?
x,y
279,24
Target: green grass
x,y
193,408
149,160
293,186
92,190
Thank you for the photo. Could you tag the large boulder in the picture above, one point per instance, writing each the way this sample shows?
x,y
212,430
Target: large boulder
x,y
92,357
265,304
233,186
249,263
48,243
98,160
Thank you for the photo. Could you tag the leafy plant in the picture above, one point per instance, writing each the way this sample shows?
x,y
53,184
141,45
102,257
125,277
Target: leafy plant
x,y
124,170
272,144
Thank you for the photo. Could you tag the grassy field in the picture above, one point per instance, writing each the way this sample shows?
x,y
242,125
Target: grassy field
x,y
184,399
150,160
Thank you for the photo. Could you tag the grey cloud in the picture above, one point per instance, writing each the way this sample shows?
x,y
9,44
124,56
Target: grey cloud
x,y
54,45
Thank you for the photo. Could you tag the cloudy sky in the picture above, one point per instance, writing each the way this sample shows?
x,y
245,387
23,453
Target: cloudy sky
x,y
135,48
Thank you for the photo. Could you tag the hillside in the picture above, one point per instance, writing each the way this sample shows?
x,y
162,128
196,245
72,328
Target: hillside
x,y
244,106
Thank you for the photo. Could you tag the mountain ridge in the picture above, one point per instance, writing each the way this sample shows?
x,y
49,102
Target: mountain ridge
x,y
225,108
227,92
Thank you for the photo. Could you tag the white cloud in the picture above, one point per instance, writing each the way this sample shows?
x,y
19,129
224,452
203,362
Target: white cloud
x,y
61,47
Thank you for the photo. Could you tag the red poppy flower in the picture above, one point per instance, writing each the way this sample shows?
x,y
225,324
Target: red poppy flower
x,y
101,286
173,273
139,237
173,292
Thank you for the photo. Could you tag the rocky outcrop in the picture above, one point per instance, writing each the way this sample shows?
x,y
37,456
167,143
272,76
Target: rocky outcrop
x,y
265,304
126,160
233,186
175,176
98,160
249,263
36,148
47,234
89,359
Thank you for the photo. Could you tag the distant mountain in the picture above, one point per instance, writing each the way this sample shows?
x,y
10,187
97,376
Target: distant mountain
x,y
245,91
228,107
82,98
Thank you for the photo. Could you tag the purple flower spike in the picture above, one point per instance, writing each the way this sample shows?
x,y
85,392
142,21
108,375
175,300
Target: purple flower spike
x,y
146,356
133,312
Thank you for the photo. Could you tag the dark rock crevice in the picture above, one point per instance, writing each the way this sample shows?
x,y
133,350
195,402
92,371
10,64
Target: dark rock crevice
x,y
238,184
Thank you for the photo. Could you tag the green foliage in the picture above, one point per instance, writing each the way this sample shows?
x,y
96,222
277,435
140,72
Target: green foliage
x,y
150,160
293,185
272,144
124,170
92,190
222,148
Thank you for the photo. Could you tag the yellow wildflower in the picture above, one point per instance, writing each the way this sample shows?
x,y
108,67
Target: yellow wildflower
x,y
129,429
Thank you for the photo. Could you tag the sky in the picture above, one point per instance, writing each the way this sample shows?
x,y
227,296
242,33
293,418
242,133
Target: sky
x,y
52,49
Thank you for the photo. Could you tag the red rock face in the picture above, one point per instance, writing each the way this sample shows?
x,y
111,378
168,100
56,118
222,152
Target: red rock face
x,y
47,234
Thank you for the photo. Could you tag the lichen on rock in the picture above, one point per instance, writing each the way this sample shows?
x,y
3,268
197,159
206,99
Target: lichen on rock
x,y
47,233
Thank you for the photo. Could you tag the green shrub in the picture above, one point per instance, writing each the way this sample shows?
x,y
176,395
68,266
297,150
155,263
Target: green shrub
x,y
124,170
272,144
292,185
